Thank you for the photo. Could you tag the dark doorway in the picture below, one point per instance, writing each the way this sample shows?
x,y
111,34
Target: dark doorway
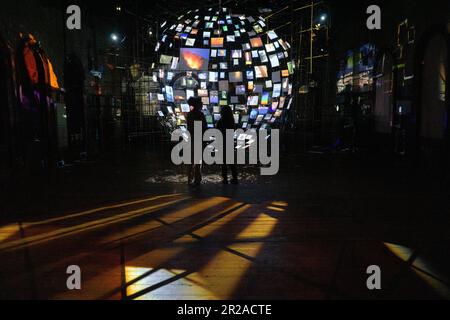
x,y
433,118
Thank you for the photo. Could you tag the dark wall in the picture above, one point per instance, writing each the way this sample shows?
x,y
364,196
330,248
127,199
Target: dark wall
x,y
349,20
349,31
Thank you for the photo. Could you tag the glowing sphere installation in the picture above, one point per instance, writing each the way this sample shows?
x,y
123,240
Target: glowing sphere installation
x,y
226,60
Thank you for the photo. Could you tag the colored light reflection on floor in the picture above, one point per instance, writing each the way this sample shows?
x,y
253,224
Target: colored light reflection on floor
x,y
221,275
193,209
272,208
210,229
9,231
280,204
422,269
442,289
232,264
260,228
400,252
83,227
156,278
97,210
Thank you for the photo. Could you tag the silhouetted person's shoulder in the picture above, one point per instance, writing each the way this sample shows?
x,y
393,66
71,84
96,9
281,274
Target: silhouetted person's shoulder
x,y
204,123
219,125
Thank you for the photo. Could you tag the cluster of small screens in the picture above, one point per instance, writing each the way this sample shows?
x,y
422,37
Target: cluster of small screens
x,y
357,70
226,60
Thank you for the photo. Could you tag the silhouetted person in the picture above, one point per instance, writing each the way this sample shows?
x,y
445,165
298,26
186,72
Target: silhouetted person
x,y
227,122
195,115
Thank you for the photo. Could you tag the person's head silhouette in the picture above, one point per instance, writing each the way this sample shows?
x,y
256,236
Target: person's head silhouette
x,y
226,115
195,104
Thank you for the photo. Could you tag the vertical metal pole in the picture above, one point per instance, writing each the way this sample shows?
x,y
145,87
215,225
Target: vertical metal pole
x,y
310,93
311,52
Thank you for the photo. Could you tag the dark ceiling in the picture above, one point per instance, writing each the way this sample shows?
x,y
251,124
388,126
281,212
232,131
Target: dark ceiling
x,y
174,8
170,10
162,10
280,11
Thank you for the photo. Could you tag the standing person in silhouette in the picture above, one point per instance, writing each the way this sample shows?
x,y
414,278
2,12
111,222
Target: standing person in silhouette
x,y
195,115
227,122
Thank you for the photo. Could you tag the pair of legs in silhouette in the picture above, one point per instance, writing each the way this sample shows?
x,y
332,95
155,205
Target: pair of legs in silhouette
x,y
234,173
195,174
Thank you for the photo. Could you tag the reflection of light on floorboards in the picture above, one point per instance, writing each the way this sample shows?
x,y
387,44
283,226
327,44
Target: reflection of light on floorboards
x,y
226,270
96,210
442,289
276,209
94,288
99,223
279,204
129,232
422,269
156,258
431,276
213,227
399,251
218,279
109,280
9,231
422,264
185,288
261,227
193,209
171,217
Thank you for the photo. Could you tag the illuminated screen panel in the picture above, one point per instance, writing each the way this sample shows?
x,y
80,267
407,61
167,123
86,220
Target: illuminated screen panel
x,y
256,43
265,98
194,59
261,72
236,77
185,108
165,59
216,42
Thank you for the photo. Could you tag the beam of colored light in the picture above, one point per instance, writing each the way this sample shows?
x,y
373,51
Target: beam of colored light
x,y
422,269
69,231
9,231
276,209
213,227
169,218
96,210
399,251
280,203
225,271
184,213
107,284
262,227
214,281
178,289
438,286
154,258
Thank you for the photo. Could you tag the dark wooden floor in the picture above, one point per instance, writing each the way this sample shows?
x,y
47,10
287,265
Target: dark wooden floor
x,y
309,233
